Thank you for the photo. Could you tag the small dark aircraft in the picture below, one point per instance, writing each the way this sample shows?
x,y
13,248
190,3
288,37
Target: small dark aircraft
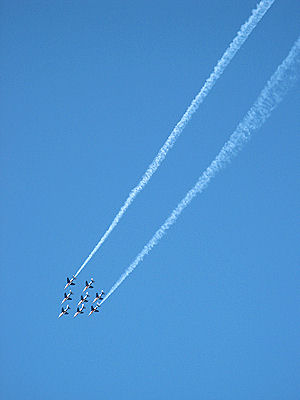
x,y
94,309
79,310
67,297
64,311
70,282
99,296
83,299
88,285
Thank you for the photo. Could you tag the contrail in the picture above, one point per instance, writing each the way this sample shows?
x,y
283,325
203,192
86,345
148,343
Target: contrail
x,y
272,94
233,48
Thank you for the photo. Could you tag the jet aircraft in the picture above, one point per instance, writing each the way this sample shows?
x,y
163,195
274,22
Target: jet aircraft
x,y
88,285
64,311
67,297
79,310
99,296
83,299
94,309
70,282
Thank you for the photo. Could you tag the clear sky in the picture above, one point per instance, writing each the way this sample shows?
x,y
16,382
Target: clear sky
x,y
90,91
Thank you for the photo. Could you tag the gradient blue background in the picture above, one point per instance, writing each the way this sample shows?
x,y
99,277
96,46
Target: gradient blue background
x,y
90,91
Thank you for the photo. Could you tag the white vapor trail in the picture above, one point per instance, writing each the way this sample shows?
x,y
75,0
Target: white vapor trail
x,y
233,48
269,98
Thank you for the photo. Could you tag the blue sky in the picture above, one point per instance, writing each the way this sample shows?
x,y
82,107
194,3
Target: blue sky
x,y
91,90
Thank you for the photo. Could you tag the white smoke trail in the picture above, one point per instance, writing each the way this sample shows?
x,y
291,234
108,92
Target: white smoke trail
x,y
233,48
269,98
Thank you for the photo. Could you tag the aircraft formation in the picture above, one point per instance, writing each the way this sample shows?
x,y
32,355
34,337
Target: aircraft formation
x,y
83,298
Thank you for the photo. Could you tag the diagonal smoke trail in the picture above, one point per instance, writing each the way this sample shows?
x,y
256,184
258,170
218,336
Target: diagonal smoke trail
x,y
272,94
233,48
